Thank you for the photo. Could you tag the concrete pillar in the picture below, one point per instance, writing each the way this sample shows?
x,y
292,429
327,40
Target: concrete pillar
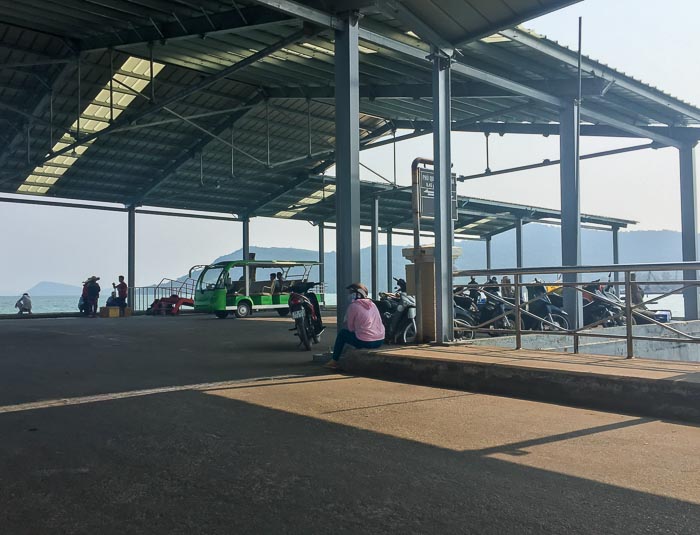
x,y
443,229
689,227
131,255
375,249
347,157
570,207
389,260
519,243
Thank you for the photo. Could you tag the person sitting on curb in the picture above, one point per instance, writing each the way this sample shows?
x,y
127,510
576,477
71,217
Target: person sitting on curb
x,y
363,324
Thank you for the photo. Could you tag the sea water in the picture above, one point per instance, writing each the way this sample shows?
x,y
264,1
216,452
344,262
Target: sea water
x,y
48,305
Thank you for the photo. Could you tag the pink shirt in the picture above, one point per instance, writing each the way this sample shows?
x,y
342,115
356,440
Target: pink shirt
x,y
364,320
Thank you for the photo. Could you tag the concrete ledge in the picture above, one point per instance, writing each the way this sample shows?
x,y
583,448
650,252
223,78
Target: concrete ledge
x,y
671,397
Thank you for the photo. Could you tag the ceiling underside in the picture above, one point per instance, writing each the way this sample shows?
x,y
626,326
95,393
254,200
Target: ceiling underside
x,y
256,137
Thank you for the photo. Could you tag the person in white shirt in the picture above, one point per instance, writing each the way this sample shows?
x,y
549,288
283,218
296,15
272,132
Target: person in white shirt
x,y
24,304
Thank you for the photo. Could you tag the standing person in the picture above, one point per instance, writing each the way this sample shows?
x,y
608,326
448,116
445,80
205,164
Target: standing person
x,y
473,287
363,324
280,281
24,304
506,287
122,291
636,290
93,292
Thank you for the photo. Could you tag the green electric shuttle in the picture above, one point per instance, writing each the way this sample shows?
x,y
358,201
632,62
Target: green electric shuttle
x,y
245,286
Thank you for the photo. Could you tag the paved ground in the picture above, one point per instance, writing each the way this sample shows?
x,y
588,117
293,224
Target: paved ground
x,y
85,450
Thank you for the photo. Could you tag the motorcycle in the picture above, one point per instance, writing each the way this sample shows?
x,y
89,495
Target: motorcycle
x,y
466,314
491,307
398,312
306,313
541,306
598,308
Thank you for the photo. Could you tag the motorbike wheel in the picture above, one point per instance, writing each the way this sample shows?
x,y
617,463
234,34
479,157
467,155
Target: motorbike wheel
x,y
302,332
408,335
466,334
221,314
561,321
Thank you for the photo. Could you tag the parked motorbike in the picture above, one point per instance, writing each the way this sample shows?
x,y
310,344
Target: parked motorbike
x,y
398,312
490,307
542,306
597,308
306,313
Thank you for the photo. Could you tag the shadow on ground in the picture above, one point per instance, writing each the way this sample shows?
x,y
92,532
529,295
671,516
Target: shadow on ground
x,y
189,462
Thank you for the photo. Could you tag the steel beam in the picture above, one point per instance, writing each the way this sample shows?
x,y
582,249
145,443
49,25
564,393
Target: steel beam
x,y
689,227
131,253
688,134
443,227
347,156
195,27
570,208
245,229
375,248
471,89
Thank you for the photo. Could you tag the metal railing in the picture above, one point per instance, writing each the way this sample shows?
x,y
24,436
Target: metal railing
x,y
143,296
514,313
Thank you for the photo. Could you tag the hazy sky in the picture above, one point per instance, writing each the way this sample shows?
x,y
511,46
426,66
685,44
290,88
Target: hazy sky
x,y
651,40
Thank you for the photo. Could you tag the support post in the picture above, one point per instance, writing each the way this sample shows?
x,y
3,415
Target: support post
x,y
389,259
322,256
519,243
570,208
375,249
488,252
131,255
689,227
347,152
443,229
616,255
246,254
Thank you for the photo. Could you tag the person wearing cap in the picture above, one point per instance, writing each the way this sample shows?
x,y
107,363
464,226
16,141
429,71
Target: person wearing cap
x,y
24,304
363,324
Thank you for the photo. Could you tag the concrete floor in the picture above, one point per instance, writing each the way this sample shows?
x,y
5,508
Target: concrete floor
x,y
114,426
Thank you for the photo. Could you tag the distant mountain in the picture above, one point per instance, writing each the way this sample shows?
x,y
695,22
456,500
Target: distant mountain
x,y
54,289
541,247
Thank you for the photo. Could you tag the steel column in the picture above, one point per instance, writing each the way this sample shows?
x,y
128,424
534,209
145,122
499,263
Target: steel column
x,y
131,254
347,152
689,227
616,255
246,254
519,243
375,249
488,252
389,259
443,229
322,255
570,207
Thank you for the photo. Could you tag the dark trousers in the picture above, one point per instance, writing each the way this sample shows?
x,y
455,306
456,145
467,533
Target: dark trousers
x,y
348,337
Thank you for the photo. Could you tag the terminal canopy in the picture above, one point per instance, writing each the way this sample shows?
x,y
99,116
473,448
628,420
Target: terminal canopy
x,y
228,107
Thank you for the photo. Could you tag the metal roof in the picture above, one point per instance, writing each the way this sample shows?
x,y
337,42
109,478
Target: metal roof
x,y
269,83
315,199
